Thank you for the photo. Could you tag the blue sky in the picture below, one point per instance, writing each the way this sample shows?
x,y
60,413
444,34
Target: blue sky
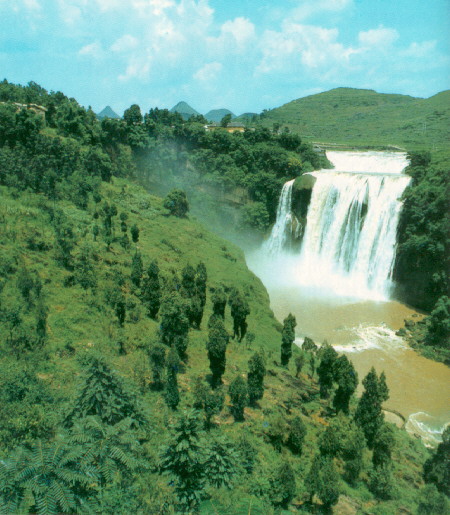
x,y
245,55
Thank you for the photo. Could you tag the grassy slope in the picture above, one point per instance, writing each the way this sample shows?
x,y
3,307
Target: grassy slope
x,y
83,320
364,117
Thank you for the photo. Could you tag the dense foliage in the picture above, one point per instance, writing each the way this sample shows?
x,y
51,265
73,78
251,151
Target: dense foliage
x,y
100,352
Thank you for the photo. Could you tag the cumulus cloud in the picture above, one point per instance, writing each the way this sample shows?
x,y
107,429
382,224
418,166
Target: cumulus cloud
x,y
124,43
308,8
380,37
235,36
94,50
208,72
314,47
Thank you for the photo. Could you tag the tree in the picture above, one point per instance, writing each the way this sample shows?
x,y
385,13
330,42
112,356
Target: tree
x,y
135,233
346,378
133,115
157,354
381,482
105,394
217,346
326,369
297,433
255,378
239,312
287,339
174,327
345,440
436,469
183,459
220,467
323,481
151,290
136,269
438,324
176,202
299,362
172,395
383,445
225,120
282,486
369,415
238,396
210,401
219,301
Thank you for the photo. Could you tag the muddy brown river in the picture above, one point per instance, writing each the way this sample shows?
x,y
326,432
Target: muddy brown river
x,y
365,331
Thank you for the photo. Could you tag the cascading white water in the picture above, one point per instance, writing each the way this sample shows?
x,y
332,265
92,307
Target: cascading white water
x,y
282,229
349,245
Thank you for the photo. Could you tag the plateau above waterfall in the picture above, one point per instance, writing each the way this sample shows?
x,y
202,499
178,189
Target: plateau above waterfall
x,y
348,245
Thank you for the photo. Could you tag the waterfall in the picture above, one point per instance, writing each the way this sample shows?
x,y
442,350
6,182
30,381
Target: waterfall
x,y
348,248
281,231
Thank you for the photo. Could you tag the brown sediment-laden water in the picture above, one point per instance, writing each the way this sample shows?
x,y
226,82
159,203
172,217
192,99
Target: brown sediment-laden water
x,y
338,281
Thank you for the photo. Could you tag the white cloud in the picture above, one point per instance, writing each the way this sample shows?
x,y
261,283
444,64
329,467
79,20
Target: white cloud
x,y
420,49
124,44
308,8
380,37
32,4
92,50
314,47
208,72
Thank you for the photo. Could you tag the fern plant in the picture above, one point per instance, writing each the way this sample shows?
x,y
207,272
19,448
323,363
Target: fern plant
x,y
46,480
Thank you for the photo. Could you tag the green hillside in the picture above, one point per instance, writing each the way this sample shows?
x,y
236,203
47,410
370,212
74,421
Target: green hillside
x,y
141,368
364,117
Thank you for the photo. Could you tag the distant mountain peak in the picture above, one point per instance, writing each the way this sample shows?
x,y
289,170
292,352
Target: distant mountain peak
x,y
216,115
184,109
107,112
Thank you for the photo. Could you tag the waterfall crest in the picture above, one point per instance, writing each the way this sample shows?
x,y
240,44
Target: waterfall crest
x,y
349,244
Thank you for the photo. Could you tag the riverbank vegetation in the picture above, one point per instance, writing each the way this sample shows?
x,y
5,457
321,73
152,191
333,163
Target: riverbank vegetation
x,y
142,369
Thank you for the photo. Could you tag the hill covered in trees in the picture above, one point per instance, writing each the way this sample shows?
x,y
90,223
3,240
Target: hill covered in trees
x,y
364,117
141,366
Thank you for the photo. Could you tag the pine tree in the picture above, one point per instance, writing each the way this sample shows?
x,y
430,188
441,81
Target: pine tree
x,y
136,269
172,395
283,486
221,465
345,440
210,401
323,481
174,327
369,415
255,378
436,469
157,354
326,369
287,339
217,347
84,269
297,433
151,290
105,394
346,378
299,362
383,445
135,233
239,312
219,300
239,396
183,459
